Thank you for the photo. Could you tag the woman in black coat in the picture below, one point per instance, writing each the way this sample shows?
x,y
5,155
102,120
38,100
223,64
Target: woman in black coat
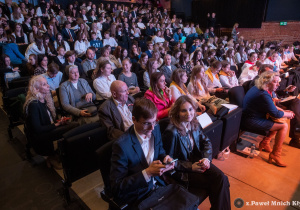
x,y
184,140
40,119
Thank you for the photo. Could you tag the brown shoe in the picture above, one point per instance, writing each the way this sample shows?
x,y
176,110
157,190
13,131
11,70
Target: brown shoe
x,y
276,156
265,144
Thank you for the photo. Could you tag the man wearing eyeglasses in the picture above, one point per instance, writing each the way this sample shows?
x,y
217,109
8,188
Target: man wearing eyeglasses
x,y
115,112
138,157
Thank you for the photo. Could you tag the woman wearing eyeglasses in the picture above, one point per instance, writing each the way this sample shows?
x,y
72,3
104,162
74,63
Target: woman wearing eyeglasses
x,y
184,140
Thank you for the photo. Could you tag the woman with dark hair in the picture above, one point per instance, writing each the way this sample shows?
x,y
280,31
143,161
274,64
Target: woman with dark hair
x,y
159,94
36,47
41,26
16,15
178,88
152,67
197,58
7,71
52,32
184,62
31,65
34,34
184,140
49,48
42,65
240,56
209,57
230,57
103,80
198,89
20,36
135,52
3,36
40,118
27,28
227,77
81,45
60,42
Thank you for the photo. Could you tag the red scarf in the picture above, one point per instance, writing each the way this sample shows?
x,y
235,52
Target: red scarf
x,y
271,59
249,62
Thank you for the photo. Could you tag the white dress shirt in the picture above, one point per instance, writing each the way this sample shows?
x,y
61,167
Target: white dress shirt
x,y
147,145
110,41
125,114
102,86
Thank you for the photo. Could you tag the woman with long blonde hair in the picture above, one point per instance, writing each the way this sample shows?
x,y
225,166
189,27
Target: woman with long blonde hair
x,y
40,119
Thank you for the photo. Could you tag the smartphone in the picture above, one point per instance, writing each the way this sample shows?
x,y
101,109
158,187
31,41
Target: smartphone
x,y
171,162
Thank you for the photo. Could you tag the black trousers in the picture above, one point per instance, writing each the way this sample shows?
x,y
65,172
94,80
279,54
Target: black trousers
x,y
216,183
43,143
293,105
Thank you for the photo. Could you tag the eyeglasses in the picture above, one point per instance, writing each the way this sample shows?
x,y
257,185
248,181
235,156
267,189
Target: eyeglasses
x,y
149,124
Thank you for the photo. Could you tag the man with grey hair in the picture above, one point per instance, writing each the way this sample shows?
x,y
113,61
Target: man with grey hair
x,y
115,112
167,69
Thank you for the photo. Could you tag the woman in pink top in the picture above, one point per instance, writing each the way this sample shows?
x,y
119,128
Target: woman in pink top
x,y
159,94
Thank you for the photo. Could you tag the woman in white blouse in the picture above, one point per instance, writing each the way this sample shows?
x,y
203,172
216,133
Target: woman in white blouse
x,y
17,15
103,80
94,28
81,45
158,38
227,77
36,48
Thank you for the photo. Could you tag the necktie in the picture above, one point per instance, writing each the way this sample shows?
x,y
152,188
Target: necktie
x,y
70,35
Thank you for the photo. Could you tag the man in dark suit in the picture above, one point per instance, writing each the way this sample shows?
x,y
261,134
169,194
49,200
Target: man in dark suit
x,y
167,69
138,157
67,33
150,49
117,120
134,12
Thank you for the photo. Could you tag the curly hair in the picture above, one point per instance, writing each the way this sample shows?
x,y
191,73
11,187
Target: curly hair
x,y
265,78
34,94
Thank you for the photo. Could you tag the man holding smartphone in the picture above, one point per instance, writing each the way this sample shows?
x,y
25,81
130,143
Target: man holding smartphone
x,y
138,158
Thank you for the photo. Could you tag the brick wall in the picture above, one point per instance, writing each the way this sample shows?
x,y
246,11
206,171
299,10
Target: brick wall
x,y
271,31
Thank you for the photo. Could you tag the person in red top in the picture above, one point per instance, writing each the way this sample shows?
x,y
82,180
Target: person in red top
x,y
251,61
159,94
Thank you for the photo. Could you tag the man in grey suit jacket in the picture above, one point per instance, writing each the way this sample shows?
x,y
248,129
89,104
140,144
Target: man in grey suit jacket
x,y
167,69
115,112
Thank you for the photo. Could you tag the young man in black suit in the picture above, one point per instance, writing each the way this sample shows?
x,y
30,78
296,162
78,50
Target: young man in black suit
x,y
138,157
